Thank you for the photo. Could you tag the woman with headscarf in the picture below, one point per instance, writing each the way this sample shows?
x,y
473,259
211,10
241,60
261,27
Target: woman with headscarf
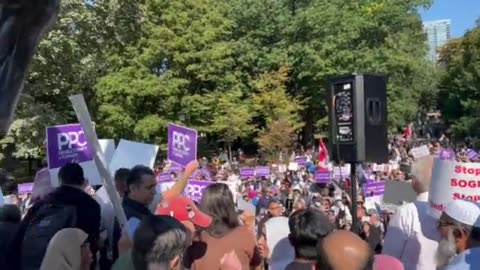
x,y
68,250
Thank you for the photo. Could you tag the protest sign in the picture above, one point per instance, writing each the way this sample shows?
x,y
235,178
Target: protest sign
x,y
129,154
341,173
246,172
108,148
25,188
182,144
85,120
398,192
262,171
292,166
421,151
322,177
194,189
373,191
446,154
163,177
452,180
301,161
66,144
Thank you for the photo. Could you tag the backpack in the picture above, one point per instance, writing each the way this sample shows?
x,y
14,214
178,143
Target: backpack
x,y
47,221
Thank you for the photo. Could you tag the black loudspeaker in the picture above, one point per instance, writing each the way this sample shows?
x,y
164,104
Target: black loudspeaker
x,y
357,107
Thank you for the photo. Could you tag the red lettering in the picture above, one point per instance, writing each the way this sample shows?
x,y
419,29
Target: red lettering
x,y
453,182
464,183
474,198
436,206
465,170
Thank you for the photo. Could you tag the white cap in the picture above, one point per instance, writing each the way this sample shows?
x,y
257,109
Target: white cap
x,y
463,211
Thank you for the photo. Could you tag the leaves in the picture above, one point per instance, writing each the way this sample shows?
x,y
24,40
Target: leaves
x,y
232,69
459,94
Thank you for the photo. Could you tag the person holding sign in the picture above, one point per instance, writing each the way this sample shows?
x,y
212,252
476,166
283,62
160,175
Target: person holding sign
x,y
459,226
411,234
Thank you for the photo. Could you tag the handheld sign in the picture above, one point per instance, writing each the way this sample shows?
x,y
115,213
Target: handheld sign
x,y
182,144
85,120
452,180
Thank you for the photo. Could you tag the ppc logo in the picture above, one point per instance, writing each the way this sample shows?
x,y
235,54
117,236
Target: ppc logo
x,y
69,139
180,141
195,191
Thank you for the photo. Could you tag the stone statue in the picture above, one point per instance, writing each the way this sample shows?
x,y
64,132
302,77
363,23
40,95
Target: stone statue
x,y
22,24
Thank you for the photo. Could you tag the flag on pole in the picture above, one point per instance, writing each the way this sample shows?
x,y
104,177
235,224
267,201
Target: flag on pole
x,y
322,156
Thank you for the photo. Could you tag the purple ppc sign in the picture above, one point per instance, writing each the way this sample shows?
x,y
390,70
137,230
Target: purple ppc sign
x,y
194,189
301,161
246,172
262,171
372,189
176,168
182,144
322,177
25,188
164,177
446,154
67,143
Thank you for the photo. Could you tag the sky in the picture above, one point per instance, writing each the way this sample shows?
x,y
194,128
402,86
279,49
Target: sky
x,y
463,14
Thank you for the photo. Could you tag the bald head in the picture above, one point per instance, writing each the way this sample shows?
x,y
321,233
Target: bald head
x,y
422,174
339,245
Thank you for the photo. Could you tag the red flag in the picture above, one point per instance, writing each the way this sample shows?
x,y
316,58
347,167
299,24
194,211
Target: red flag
x,y
408,131
322,155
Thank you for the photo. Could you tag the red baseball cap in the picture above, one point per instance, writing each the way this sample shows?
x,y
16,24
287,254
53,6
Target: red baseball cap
x,y
183,209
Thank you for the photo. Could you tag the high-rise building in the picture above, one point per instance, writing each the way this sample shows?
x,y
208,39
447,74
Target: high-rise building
x,y
438,33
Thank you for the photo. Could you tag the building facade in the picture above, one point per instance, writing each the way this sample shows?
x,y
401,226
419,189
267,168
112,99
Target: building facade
x,y
438,33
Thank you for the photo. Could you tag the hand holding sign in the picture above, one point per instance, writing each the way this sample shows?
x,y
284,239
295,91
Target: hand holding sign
x,y
182,181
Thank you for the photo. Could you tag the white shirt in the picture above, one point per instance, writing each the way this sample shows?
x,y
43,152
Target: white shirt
x,y
412,236
467,260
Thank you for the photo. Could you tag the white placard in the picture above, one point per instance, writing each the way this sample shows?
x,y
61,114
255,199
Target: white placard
x,y
452,180
419,152
108,148
129,154
293,166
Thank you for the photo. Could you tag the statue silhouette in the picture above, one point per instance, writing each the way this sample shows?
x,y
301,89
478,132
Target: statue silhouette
x,y
22,24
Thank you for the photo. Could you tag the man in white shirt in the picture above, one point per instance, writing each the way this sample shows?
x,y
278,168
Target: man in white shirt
x,y
412,235
459,226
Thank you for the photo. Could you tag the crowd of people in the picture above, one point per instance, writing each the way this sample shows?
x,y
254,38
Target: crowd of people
x,y
294,222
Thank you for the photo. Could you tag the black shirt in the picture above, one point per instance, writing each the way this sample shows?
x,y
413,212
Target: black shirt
x,y
135,209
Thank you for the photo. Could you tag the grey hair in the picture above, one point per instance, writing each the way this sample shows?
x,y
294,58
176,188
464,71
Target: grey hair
x,y
167,246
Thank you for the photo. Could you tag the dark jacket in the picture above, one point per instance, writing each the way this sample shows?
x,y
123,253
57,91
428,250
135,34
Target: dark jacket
x,y
7,234
135,209
87,211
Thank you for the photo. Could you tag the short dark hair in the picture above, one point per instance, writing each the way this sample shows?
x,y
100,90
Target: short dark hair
x,y
306,227
324,263
121,175
158,240
71,174
136,173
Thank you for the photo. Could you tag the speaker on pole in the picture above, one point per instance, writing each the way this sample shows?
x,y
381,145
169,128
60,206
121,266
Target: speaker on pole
x,y
358,118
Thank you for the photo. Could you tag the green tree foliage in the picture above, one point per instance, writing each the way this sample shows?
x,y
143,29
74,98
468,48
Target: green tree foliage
x,y
278,110
232,69
459,94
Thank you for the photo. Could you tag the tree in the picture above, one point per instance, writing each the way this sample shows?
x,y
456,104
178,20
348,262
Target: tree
x,y
278,112
183,59
232,118
66,62
459,94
